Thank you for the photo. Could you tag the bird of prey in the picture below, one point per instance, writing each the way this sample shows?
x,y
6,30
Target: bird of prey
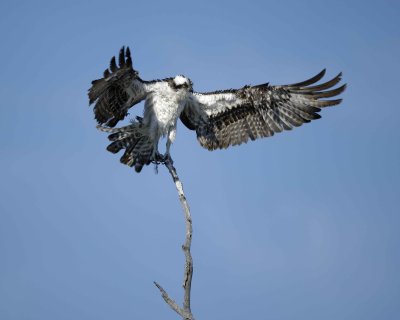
x,y
220,118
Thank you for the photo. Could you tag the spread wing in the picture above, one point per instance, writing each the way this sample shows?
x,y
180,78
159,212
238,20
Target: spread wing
x,y
118,90
231,117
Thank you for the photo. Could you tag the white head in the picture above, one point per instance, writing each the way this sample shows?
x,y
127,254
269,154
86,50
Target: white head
x,y
181,82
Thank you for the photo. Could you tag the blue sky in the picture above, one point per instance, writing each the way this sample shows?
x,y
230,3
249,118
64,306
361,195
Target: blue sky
x,y
303,225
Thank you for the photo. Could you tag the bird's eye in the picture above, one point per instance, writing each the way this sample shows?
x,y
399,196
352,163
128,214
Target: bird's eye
x,y
180,86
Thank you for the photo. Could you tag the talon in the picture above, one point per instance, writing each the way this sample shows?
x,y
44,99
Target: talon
x,y
168,158
159,157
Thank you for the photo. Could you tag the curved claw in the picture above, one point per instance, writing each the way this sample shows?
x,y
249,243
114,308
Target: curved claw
x,y
162,158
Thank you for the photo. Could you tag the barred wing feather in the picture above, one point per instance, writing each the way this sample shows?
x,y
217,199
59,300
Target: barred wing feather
x,y
118,90
232,117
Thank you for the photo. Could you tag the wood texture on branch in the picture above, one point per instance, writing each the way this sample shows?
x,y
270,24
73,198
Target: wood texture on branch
x,y
185,312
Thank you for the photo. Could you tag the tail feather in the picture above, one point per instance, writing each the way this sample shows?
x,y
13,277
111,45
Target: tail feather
x,y
138,145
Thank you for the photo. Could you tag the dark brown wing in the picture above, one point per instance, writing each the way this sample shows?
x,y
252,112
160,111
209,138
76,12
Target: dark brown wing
x,y
231,117
118,90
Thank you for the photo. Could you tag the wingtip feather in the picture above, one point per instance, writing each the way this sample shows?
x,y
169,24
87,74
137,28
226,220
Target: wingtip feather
x,y
113,64
121,58
312,80
128,57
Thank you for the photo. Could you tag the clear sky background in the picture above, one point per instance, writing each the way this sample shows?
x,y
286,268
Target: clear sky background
x,y
304,225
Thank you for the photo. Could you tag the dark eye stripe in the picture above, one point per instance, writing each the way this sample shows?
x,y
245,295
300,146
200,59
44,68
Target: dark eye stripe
x,y
185,85
179,86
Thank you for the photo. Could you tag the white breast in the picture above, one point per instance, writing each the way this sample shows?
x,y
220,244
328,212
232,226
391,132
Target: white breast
x,y
162,109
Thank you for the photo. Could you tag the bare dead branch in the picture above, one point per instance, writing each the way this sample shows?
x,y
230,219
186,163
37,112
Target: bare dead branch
x,y
174,306
184,312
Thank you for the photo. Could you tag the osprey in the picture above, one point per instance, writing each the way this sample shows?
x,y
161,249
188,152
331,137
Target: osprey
x,y
221,118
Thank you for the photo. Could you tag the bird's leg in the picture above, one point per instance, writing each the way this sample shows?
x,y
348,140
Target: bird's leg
x,y
163,158
156,157
171,137
167,154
